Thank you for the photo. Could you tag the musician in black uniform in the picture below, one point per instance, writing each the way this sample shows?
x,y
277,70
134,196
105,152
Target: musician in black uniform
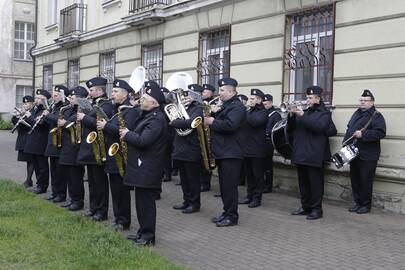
x,y
98,179
146,160
120,193
272,118
37,140
52,151
227,150
311,128
167,175
69,166
207,96
187,153
367,126
244,99
27,106
254,148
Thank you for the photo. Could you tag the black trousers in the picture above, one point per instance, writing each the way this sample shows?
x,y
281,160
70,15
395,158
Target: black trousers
x,y
190,182
121,199
98,189
254,170
55,174
268,180
41,168
205,177
229,177
146,211
30,171
311,181
167,171
75,186
362,173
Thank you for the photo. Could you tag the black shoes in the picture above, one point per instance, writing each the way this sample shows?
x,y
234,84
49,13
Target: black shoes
x,y
121,227
181,206
66,204
89,213
190,209
51,197
315,214
99,217
141,242
27,183
245,201
205,188
227,222
218,219
59,199
300,212
268,190
363,210
254,204
354,208
39,190
75,206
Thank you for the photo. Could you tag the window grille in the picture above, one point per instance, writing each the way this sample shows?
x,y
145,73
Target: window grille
x,y
152,60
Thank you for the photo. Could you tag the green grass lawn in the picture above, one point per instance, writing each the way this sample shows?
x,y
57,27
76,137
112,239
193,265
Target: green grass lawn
x,y
35,234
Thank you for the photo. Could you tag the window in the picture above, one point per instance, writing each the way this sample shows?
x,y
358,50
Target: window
x,y
23,40
152,60
214,57
47,80
73,73
52,12
73,19
20,92
309,58
107,68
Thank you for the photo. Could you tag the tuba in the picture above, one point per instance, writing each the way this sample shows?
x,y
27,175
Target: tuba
x,y
137,79
176,110
120,150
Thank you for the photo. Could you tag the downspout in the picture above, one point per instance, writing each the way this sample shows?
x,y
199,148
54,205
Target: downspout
x,y
33,47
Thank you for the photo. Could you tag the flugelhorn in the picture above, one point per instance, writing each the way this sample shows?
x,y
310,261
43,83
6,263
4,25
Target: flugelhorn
x,y
294,105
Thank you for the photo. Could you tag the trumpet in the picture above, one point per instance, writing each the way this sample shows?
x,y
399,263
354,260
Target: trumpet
x,y
294,105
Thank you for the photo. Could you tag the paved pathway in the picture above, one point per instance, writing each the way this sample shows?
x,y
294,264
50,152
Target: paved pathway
x,y
267,237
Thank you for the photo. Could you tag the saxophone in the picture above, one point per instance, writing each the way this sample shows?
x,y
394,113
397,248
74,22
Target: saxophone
x,y
96,138
204,137
57,131
120,150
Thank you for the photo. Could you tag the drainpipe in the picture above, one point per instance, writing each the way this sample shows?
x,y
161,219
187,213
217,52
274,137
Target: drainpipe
x,y
35,45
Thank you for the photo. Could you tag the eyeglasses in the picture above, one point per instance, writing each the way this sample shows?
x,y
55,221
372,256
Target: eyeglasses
x,y
365,100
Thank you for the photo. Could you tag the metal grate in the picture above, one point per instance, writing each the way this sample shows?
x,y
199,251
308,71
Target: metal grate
x,y
73,73
47,77
152,60
73,19
141,5
309,58
214,56
107,68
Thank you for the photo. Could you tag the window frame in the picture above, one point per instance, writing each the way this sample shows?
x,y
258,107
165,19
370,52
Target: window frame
x,y
69,74
27,57
109,83
47,68
27,90
143,59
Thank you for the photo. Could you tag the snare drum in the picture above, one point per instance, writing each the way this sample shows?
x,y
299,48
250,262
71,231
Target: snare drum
x,y
345,155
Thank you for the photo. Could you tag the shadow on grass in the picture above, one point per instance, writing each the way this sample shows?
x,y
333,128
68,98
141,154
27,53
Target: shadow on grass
x,y
37,235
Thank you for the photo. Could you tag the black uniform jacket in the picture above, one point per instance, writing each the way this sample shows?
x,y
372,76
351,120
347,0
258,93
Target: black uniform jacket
x,y
187,148
112,132
311,132
225,130
272,118
69,151
253,132
22,133
147,150
38,139
369,143
52,120
89,123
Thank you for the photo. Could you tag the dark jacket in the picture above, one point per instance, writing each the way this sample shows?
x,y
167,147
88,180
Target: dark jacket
x,y
273,117
147,150
69,151
253,132
310,133
187,148
22,133
52,120
112,132
38,139
225,130
369,143
89,123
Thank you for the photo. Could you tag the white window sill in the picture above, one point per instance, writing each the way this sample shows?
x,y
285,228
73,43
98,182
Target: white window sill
x,y
22,60
107,4
51,27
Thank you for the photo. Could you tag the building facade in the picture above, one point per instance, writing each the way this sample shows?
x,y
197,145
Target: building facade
x,y
17,18
279,46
